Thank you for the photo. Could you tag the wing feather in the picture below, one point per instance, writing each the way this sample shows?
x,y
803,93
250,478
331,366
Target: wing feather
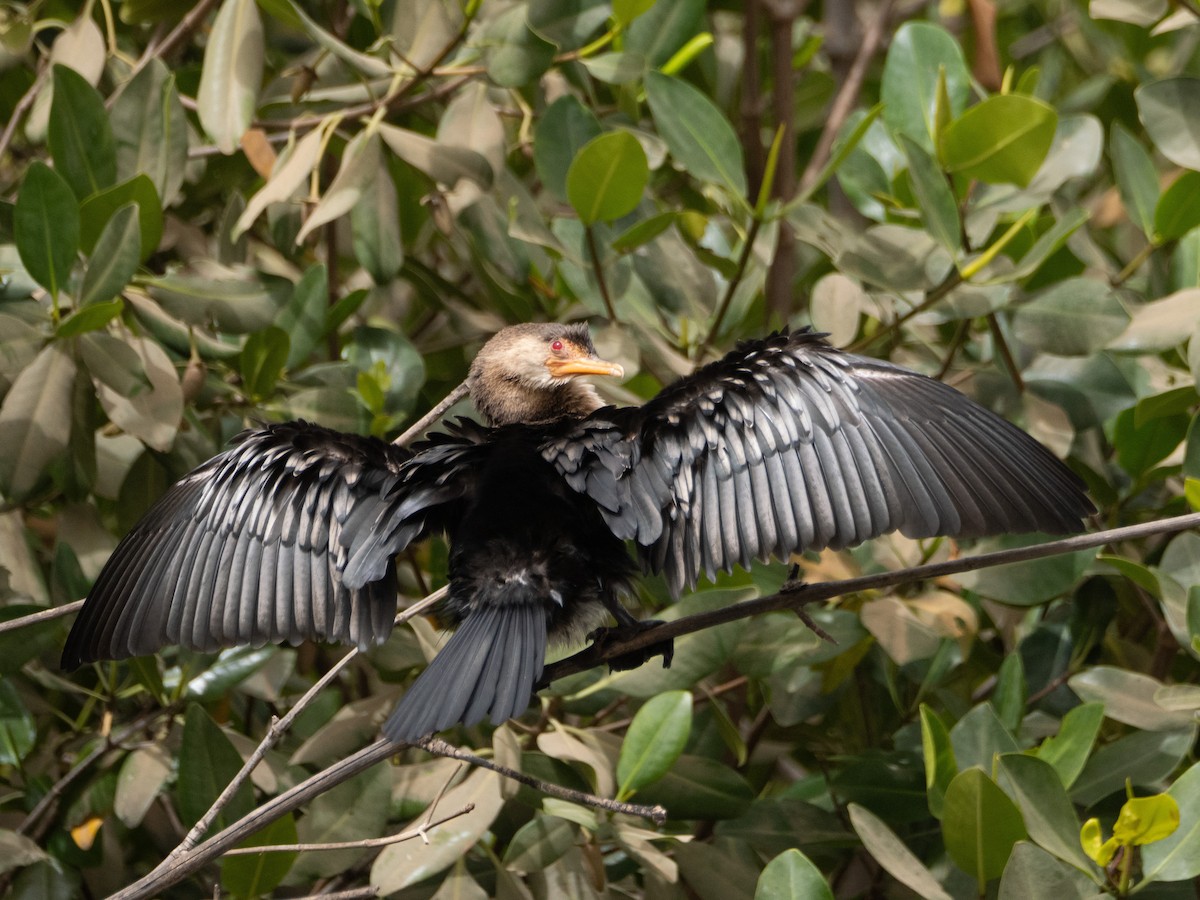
x,y
788,444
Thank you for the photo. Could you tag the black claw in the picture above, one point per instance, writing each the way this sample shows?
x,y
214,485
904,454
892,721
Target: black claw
x,y
601,637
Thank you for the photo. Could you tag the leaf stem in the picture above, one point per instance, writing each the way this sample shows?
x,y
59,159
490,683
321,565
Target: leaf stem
x,y
598,269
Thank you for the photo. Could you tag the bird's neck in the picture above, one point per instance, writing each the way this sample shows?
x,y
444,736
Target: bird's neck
x,y
506,402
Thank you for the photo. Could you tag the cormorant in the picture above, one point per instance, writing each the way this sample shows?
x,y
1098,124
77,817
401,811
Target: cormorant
x,y
784,445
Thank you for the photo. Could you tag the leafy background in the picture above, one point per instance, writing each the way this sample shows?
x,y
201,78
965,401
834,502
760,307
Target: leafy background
x,y
231,211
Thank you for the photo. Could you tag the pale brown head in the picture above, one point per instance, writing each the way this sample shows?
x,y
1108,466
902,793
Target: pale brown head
x,y
530,373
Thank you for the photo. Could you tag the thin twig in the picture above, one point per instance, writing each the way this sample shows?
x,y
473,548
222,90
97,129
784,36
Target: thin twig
x,y
847,96
279,727
22,107
386,840
952,280
438,747
731,287
598,269
802,595
45,615
1005,352
417,428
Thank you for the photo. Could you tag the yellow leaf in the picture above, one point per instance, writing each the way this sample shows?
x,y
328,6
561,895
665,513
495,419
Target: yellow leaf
x,y
1144,820
85,835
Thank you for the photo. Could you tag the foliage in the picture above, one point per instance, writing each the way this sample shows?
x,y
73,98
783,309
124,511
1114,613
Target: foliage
x,y
233,211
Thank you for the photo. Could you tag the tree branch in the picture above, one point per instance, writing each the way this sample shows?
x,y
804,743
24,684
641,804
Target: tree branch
x,y
798,597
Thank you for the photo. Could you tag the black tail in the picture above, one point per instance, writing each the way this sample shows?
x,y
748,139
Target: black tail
x,y
487,669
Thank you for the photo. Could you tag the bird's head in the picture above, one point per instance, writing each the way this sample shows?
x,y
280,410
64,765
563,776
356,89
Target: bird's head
x,y
528,373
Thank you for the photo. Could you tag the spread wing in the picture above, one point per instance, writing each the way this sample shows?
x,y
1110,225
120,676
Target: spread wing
x,y
250,549
788,444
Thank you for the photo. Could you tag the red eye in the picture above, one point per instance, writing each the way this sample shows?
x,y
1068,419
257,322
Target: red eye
x,y
556,346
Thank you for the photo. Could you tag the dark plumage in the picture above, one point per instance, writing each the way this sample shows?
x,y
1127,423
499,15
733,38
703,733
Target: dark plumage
x,y
786,444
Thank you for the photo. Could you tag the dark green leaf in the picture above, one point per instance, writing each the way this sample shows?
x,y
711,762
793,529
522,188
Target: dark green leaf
x,y
304,317
263,357
513,53
115,259
207,763
980,825
607,177
80,137
697,134
1178,209
237,306
1144,756
257,874
35,419
97,210
654,741
17,730
1045,808
46,227
1032,872
539,843
980,736
939,211
1141,446
150,127
697,787
560,134
89,318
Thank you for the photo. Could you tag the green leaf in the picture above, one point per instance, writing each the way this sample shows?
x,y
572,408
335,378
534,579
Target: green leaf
x,y
792,876
150,128
1068,750
921,54
697,787
608,177
1047,244
443,163
80,137
96,211
1009,696
699,137
1178,209
1139,447
980,825
1030,583
375,226
354,810
207,763
655,738
35,419
237,306
939,211
979,736
891,853
1032,872
254,875
1177,857
263,357
18,733
1075,317
539,843
360,166
643,232
1128,697
559,136
1170,110
664,29
46,227
940,765
89,318
1136,179
625,11
304,317
232,73
115,259
1004,139
1144,756
1045,808
513,53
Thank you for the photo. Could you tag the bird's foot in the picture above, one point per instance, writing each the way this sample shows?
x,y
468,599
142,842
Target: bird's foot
x,y
602,637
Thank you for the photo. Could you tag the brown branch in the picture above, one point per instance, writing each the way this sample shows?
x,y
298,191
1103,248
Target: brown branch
x,y
800,596
847,95
421,831
438,747
1006,352
45,615
598,269
279,727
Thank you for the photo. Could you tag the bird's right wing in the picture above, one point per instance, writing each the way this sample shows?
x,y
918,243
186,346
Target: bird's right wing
x,y
250,548
788,444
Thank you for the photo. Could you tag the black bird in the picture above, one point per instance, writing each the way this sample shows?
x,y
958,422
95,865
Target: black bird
x,y
786,444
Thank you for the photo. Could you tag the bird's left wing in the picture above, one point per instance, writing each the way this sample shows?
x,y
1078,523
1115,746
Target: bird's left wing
x,y
788,444
250,548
